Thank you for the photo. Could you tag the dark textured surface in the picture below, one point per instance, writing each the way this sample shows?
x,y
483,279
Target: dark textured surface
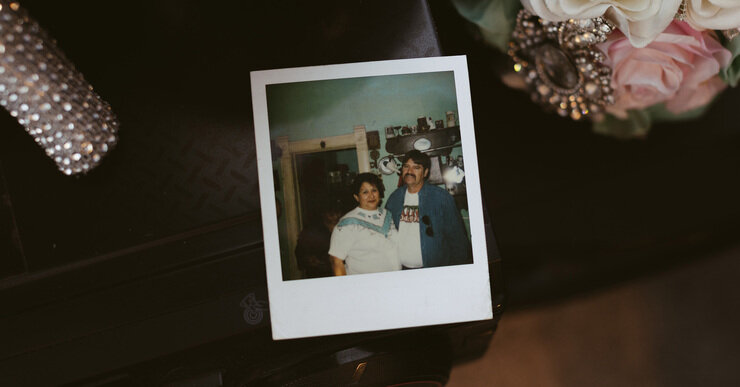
x,y
177,75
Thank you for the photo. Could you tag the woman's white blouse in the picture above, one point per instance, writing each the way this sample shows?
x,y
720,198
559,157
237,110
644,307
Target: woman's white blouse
x,y
366,241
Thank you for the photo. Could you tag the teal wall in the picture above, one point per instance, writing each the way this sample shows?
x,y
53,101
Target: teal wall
x,y
305,110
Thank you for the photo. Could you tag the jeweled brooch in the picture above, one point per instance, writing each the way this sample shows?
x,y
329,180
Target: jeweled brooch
x,y
561,65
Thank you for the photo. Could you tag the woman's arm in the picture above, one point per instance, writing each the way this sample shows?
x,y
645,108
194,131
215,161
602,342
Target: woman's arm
x,y
338,266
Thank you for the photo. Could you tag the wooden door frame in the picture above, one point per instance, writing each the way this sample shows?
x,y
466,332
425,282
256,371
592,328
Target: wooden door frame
x,y
357,139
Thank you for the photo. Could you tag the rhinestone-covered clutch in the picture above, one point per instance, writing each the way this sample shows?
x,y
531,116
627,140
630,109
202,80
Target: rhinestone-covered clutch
x,y
52,100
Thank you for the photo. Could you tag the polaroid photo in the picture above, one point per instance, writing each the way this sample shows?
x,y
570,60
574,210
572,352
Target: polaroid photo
x,y
371,204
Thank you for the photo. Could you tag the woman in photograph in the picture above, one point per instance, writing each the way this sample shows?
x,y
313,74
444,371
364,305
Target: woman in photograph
x,y
364,240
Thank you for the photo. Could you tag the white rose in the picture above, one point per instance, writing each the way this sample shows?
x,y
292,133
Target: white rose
x,y
713,14
640,20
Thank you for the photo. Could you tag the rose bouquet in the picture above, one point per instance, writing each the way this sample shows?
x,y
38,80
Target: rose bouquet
x,y
622,64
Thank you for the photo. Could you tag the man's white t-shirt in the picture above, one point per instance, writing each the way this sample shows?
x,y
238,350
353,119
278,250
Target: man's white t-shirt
x,y
409,240
368,248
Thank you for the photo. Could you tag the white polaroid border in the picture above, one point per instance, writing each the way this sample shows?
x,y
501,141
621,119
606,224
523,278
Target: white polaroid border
x,y
370,302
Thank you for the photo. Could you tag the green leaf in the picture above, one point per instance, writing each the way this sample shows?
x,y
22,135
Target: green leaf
x,y
495,18
636,125
731,73
658,113
638,122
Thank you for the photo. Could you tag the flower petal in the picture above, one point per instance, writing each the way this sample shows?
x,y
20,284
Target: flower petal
x,y
713,14
642,31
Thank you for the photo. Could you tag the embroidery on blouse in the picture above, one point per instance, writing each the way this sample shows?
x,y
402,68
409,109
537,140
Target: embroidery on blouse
x,y
379,229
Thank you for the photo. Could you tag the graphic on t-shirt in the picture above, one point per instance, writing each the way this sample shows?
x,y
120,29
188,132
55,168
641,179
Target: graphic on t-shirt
x,y
410,214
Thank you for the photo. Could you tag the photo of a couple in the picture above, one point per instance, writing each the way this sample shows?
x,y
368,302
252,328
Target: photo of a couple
x,y
363,185
420,226
371,207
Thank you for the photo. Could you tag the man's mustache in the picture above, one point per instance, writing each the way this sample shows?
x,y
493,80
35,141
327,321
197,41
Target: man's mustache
x,y
408,174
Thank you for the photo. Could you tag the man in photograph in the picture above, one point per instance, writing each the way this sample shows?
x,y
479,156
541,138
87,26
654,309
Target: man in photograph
x,y
431,231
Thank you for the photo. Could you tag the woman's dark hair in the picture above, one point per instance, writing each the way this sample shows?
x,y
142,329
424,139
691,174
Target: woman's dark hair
x,y
418,157
370,179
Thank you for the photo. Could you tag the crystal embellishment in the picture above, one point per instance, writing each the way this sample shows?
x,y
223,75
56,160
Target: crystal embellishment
x,y
561,64
731,33
49,98
554,67
682,10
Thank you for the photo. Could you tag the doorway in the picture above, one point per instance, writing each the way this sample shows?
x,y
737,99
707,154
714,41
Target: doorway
x,y
303,162
325,177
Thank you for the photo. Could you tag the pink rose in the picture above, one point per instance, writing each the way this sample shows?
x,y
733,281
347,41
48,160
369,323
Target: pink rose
x,y
678,68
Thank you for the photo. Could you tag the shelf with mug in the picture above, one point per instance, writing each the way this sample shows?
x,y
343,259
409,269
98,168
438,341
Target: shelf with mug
x,y
435,142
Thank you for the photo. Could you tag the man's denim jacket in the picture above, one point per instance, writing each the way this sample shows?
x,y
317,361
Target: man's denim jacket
x,y
448,243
